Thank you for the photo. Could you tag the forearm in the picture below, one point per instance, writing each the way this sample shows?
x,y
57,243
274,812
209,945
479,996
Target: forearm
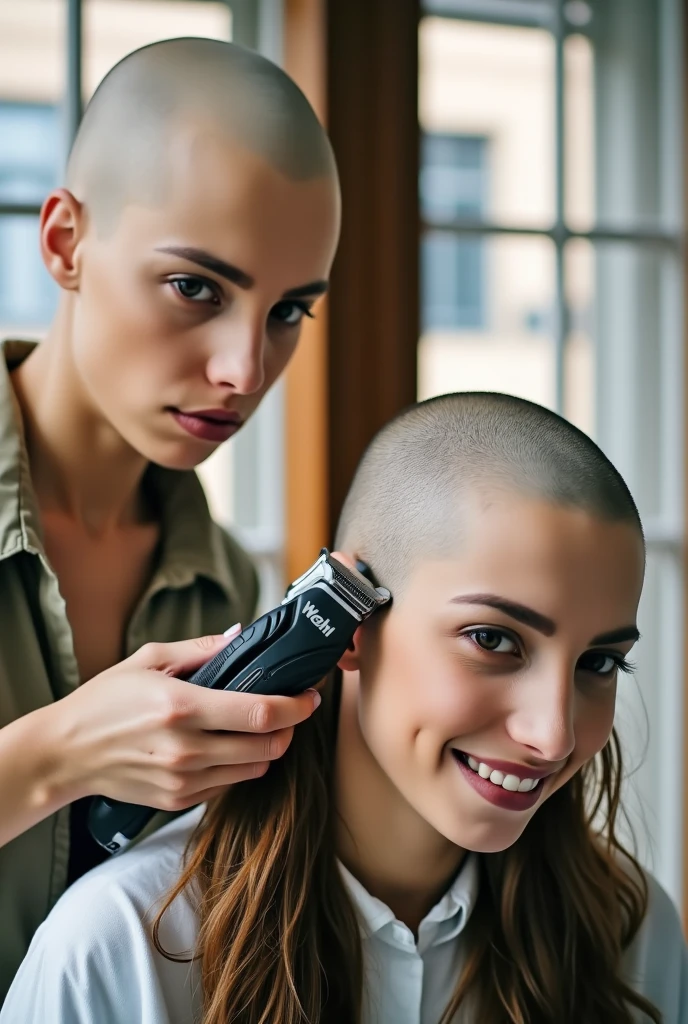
x,y
33,780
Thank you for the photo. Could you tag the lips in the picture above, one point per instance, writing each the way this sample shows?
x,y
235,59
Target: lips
x,y
208,424
497,794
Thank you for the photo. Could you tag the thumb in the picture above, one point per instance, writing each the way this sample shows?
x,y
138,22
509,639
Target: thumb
x,y
181,657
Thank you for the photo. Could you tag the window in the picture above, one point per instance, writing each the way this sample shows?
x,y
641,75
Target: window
x,y
29,167
581,284
452,184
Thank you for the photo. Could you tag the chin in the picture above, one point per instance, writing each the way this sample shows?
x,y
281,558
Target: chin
x,y
179,460
485,838
169,455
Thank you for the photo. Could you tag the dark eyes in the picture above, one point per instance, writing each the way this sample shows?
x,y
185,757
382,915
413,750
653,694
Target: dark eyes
x,y
290,313
196,289
496,641
287,313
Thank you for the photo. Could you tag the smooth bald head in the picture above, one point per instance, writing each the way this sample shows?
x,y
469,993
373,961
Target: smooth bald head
x,y
421,470
161,103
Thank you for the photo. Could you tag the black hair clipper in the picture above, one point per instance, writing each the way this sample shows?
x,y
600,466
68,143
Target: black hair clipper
x,y
284,652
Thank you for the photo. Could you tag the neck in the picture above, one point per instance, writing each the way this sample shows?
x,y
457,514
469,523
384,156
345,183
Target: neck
x,y
80,466
382,840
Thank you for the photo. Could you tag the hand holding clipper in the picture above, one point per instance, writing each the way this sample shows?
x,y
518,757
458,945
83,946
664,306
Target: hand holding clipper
x,y
283,652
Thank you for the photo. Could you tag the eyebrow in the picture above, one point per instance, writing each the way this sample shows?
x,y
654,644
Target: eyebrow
x,y
234,274
542,623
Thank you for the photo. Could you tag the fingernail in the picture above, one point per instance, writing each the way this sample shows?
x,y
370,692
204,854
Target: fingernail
x,y
232,629
317,699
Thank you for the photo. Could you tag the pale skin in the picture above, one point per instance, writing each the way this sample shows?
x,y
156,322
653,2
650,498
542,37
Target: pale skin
x,y
139,332
418,684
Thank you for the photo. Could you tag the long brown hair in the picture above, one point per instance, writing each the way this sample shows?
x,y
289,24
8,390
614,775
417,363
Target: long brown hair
x,y
279,939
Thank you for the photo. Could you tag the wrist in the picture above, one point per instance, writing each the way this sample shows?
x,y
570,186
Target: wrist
x,y
56,777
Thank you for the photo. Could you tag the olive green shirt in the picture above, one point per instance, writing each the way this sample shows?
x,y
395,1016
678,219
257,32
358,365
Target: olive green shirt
x,y
202,583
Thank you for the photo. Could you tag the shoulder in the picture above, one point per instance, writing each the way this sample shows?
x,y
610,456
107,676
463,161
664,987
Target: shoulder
x,y
656,962
94,958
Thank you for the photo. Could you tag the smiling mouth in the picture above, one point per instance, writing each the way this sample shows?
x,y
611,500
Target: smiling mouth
x,y
502,780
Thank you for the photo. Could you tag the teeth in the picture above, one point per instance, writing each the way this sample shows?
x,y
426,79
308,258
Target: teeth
x,y
512,783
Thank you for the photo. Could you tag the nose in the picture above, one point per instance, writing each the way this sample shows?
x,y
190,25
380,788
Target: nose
x,y
543,715
237,359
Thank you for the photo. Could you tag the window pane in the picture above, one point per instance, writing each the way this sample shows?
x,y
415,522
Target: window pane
x,y
28,295
452,272
619,117
513,350
30,160
32,77
579,135
579,356
32,50
494,83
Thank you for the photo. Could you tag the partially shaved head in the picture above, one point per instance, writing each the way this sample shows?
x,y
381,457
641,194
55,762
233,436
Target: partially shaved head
x,y
163,100
420,471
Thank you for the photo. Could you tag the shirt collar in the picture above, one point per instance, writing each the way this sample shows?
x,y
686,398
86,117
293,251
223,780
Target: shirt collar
x,y
446,919
19,520
191,543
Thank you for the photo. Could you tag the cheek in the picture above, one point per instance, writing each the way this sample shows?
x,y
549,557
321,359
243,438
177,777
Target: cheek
x,y
124,343
593,726
420,703
278,353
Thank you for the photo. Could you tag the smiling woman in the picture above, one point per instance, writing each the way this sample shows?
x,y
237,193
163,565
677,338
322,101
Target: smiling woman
x,y
439,841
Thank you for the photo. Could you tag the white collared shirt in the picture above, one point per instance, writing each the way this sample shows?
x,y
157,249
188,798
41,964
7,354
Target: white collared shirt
x,y
409,981
92,960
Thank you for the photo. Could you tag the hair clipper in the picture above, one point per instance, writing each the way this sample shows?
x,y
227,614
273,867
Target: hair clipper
x,y
283,652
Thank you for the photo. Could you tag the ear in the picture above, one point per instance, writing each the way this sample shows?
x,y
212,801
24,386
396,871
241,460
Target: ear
x,y
62,225
350,660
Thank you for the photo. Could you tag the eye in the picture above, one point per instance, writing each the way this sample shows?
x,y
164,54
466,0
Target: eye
x,y
194,289
290,313
493,641
603,664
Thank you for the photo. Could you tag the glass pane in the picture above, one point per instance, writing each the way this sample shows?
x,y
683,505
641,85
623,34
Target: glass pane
x,y
491,84
29,144
28,295
510,350
579,356
580,133
647,723
32,51
621,319
32,78
113,28
620,117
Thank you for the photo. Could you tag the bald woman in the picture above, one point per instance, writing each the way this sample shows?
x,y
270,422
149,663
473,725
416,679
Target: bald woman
x,y
196,230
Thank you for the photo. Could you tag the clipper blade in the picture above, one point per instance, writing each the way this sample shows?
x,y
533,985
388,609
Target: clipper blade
x,y
351,585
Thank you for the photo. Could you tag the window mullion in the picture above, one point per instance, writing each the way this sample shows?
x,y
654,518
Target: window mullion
x,y
73,95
